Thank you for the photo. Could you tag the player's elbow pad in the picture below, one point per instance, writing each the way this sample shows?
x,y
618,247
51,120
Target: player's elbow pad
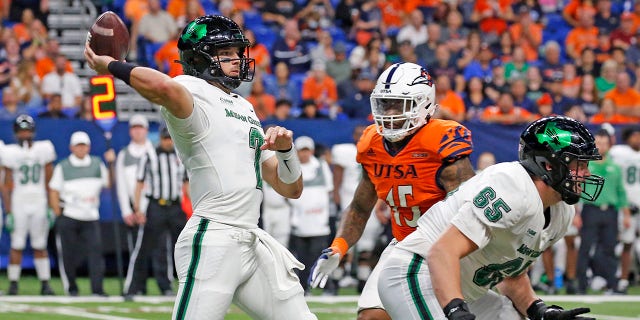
x,y
288,166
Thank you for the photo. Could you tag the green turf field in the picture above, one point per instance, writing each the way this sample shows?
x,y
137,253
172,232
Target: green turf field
x,y
29,306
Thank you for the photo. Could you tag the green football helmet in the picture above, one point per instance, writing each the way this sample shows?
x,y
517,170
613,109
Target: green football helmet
x,y
200,42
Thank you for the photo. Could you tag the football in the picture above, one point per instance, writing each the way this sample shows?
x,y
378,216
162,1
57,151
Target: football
x,y
109,36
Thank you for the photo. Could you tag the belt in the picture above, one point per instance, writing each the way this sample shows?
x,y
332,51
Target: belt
x,y
166,202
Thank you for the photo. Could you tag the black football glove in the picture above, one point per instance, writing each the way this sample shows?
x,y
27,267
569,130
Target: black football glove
x,y
457,309
538,310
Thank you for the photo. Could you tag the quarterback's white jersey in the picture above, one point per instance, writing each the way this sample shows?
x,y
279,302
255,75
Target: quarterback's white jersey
x,y
27,165
629,160
500,210
344,155
219,145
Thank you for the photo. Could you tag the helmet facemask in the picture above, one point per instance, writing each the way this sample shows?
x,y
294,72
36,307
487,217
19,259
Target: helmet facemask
x,y
397,117
573,186
204,62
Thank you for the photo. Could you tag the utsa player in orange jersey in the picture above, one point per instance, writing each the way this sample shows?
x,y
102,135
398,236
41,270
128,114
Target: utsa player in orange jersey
x,y
409,160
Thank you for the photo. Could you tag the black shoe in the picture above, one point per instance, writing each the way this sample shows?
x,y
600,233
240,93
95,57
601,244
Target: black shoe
x,y
13,288
571,287
73,293
128,297
46,289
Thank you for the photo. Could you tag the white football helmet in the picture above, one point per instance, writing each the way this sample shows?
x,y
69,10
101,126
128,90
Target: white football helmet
x,y
403,100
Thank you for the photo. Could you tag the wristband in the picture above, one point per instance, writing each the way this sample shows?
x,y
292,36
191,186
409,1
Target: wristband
x,y
121,70
453,306
340,245
288,166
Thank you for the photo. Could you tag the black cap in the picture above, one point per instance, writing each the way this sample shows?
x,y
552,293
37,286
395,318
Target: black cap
x,y
164,133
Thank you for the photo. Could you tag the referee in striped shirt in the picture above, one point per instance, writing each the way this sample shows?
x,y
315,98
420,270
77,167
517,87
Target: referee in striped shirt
x,y
164,177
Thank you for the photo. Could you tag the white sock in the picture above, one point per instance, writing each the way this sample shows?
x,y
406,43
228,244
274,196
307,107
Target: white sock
x,y
13,272
43,269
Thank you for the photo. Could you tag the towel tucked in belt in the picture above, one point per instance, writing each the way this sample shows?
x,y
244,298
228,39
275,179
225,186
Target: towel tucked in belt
x,y
281,273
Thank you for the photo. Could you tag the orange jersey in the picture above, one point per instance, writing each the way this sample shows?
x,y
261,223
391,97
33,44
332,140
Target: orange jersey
x,y
408,181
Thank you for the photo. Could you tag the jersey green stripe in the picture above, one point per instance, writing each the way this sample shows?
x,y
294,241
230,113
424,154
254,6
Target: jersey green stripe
x,y
414,288
193,265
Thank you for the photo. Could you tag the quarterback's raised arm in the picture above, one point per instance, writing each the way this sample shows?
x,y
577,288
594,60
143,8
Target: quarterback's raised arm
x,y
153,85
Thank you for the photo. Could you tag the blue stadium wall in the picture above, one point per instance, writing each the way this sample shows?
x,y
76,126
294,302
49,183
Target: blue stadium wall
x,y
501,140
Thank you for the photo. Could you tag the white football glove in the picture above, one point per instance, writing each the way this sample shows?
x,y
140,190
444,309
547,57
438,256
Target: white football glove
x,y
324,266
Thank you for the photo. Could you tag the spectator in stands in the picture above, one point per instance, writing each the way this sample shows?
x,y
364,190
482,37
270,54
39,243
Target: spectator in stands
x,y
315,16
368,22
526,34
603,50
625,98
570,81
622,36
259,52
560,101
339,68
26,85
369,56
310,213
485,160
165,58
498,82
282,112
505,112
585,35
280,12
154,28
474,99
545,106
607,79
263,103
10,58
289,49
571,12
574,111
551,65
492,17
588,95
535,87
407,53
323,52
184,11
480,66
74,193
587,64
46,63
518,89
320,87
281,86
453,32
426,51
86,110
451,106
63,82
517,67
464,56
358,105
10,107
134,10
310,111
605,20
444,63
414,30
23,29
345,11
40,9
607,114
54,108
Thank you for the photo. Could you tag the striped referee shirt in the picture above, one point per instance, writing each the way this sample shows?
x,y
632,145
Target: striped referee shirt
x,y
163,174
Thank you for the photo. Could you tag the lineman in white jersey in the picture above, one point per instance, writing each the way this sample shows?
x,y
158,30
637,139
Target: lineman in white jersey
x,y
28,168
487,233
221,255
627,156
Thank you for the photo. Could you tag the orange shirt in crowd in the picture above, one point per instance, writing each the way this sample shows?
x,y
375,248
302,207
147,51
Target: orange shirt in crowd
x,y
264,105
392,13
46,65
134,10
166,55
629,99
261,54
178,8
312,89
494,111
535,31
452,102
580,38
493,24
600,118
